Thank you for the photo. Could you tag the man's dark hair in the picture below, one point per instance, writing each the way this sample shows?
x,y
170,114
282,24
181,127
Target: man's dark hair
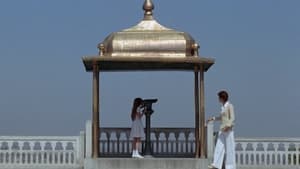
x,y
223,95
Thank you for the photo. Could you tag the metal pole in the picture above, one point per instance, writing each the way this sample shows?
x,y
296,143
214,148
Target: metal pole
x,y
148,151
202,114
96,125
148,148
196,93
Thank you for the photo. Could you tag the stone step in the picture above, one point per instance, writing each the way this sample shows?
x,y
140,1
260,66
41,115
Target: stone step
x,y
146,163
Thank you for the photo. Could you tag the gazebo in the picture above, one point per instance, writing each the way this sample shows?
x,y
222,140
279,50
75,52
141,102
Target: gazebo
x,y
149,46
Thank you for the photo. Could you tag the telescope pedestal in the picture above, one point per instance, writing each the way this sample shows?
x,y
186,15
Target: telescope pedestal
x,y
148,151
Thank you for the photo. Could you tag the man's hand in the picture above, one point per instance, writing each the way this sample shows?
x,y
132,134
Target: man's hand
x,y
210,119
226,129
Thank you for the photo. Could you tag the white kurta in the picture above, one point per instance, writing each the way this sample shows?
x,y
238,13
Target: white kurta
x,y
225,143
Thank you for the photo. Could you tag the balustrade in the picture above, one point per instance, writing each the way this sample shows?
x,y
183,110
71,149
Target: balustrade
x,y
68,152
165,142
46,151
267,152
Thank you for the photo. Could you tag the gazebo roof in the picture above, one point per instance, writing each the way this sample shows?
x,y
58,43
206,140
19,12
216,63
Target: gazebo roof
x,y
148,46
146,63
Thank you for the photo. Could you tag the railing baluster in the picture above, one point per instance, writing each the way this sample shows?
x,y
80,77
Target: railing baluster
x,y
48,156
113,142
167,135
118,135
162,143
128,150
64,157
53,143
157,141
287,155
42,156
237,158
186,134
64,146
108,142
15,157
122,144
4,157
281,156
24,157
102,148
244,145
31,151
182,147
254,146
9,152
265,145
176,142
291,155
297,154
260,157
276,147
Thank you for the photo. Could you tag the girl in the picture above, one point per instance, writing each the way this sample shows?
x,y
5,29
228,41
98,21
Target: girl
x,y
137,129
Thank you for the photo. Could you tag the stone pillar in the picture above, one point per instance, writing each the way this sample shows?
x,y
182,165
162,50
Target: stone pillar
x,y
196,92
88,139
202,114
81,145
95,121
210,140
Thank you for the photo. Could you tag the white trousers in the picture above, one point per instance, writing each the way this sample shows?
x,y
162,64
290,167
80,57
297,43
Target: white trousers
x,y
225,145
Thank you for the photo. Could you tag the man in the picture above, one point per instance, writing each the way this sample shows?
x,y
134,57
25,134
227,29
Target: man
x,y
225,143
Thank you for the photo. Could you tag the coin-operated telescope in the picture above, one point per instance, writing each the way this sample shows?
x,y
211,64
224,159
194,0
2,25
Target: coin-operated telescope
x,y
147,103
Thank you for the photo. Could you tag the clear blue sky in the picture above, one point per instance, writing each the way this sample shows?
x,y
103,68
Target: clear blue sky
x,y
44,89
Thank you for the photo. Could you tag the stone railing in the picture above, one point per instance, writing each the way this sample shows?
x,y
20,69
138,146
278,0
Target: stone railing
x,y
165,142
268,152
25,151
68,152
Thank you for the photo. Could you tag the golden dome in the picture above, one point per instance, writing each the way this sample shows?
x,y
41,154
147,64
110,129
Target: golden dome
x,y
149,39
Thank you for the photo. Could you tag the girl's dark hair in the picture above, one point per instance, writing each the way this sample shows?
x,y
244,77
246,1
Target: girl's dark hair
x,y
223,95
136,103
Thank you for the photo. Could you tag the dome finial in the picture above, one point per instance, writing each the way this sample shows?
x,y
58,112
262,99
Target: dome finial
x,y
148,8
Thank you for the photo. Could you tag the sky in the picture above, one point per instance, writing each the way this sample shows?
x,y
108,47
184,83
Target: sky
x,y
44,89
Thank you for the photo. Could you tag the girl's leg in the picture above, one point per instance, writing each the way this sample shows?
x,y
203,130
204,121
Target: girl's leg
x,y
134,144
134,147
138,141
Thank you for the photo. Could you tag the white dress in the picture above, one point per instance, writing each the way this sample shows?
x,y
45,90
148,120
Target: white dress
x,y
137,128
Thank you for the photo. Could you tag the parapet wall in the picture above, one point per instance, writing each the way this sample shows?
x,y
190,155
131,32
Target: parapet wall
x,y
147,163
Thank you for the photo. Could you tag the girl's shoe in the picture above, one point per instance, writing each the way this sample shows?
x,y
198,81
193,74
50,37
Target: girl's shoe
x,y
134,154
138,156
